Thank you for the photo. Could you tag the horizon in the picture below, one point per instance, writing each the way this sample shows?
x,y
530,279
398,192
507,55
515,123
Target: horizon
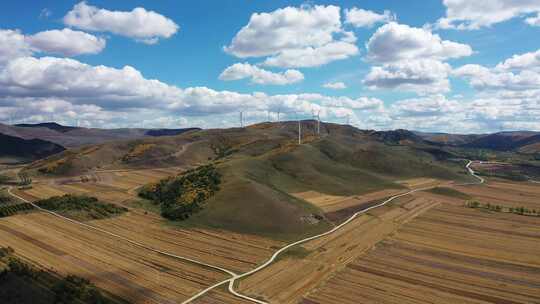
x,y
263,122
438,67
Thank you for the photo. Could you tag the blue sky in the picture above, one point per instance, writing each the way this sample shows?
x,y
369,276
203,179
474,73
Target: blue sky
x,y
425,65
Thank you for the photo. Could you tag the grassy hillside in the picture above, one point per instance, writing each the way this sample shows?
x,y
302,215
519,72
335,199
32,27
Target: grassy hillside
x,y
261,166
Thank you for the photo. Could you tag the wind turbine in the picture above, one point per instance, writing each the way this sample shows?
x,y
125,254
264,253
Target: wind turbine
x,y
278,112
317,117
299,132
299,128
241,119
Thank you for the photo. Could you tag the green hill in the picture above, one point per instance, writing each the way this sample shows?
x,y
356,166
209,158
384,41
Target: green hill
x,y
261,166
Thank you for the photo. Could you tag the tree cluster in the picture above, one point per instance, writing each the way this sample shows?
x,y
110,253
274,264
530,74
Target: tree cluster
x,y
87,206
181,196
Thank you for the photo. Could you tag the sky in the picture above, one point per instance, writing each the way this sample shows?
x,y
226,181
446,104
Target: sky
x,y
437,66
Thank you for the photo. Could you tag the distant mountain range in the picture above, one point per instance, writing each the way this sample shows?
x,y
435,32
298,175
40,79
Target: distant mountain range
x,y
34,141
71,137
518,141
14,149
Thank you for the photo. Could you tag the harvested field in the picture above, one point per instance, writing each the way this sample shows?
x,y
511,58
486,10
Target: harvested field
x,y
232,251
139,275
287,280
506,193
135,274
115,186
339,208
449,254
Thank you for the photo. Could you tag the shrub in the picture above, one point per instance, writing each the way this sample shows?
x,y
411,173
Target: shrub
x,y
73,288
181,196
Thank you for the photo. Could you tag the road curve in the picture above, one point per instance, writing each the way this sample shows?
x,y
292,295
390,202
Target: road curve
x,y
232,280
141,245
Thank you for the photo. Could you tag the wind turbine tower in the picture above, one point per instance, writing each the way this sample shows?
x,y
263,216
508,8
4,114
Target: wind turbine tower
x,y
241,119
299,132
319,123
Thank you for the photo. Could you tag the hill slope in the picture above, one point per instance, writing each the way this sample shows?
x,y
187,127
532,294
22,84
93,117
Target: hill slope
x,y
506,141
263,166
15,149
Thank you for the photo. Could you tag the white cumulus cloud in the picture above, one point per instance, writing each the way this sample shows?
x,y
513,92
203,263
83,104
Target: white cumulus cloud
x,y
335,85
394,42
295,37
421,76
365,18
66,42
529,60
473,15
12,45
257,75
139,23
411,59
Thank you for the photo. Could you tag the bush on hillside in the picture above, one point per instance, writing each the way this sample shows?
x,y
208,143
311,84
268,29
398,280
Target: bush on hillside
x,y
73,288
9,210
181,196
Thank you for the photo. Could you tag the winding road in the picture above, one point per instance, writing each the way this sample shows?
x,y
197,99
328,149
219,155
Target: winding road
x,y
234,277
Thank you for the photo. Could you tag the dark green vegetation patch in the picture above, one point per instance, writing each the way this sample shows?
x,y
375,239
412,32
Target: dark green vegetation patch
x,y
81,207
181,196
449,192
8,210
23,283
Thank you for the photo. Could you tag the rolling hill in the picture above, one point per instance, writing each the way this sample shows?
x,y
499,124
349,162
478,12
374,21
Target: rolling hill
x,y
504,141
518,141
14,149
263,166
